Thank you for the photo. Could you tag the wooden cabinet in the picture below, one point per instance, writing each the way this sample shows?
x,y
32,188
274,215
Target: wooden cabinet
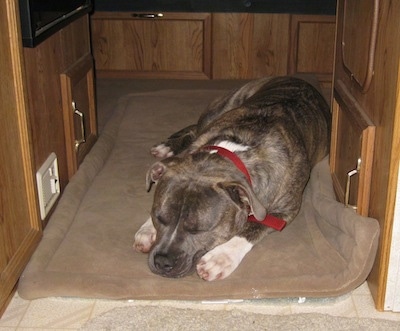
x,y
32,126
212,45
20,227
366,83
58,69
175,45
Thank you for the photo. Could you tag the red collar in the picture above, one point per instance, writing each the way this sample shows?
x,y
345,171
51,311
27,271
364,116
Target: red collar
x,y
269,220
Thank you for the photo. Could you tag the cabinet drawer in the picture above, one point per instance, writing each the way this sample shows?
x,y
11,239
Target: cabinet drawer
x,y
80,126
152,45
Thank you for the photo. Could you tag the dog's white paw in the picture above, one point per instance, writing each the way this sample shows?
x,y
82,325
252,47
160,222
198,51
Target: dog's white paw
x,y
221,261
145,237
161,151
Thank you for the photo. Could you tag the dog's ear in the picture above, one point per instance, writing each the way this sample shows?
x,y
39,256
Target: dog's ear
x,y
154,174
246,195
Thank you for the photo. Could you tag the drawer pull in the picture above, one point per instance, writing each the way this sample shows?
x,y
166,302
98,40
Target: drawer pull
x,y
347,193
148,15
81,116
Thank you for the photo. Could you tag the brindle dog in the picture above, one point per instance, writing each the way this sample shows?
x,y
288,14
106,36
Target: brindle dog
x,y
279,128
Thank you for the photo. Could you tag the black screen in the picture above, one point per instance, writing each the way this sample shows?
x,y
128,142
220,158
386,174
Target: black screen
x,y
42,18
311,7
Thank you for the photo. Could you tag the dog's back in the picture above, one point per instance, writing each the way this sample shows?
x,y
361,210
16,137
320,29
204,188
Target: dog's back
x,y
300,108
284,126
272,104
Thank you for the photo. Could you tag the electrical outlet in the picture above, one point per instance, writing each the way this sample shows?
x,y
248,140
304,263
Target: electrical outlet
x,y
48,185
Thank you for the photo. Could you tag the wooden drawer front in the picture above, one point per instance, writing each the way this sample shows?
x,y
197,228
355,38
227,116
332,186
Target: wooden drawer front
x,y
247,46
313,44
176,44
80,126
352,149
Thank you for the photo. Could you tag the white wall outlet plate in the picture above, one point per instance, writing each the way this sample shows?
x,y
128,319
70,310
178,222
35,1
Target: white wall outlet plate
x,y
48,185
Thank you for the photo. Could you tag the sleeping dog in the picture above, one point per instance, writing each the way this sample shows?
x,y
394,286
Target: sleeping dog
x,y
235,176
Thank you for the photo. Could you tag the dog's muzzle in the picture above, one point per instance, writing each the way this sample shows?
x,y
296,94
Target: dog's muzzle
x,y
174,265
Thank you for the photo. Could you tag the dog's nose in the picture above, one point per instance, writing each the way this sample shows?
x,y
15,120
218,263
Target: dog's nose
x,y
163,262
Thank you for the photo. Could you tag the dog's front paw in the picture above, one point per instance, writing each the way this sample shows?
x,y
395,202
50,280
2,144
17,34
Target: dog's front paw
x,y
161,151
221,261
145,237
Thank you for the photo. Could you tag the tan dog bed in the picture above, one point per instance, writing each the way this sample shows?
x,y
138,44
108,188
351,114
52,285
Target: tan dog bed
x,y
86,249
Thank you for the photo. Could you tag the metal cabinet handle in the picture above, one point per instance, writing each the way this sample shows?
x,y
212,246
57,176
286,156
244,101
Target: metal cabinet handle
x,y
148,15
347,193
82,140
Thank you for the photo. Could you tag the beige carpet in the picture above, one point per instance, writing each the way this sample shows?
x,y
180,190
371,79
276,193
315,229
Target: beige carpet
x,y
86,249
168,319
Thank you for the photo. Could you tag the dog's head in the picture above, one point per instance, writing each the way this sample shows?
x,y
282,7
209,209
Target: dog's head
x,y
200,201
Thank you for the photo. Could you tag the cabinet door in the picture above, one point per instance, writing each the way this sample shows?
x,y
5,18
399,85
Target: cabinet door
x,y
312,46
352,149
359,40
247,46
173,45
79,112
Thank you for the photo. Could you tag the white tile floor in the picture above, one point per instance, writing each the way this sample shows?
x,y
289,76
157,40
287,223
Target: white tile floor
x,y
72,313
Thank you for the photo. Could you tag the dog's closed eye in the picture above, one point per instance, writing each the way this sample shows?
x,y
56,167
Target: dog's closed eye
x,y
191,230
161,220
195,227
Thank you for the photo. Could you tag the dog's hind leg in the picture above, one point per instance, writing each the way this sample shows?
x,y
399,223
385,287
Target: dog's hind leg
x,y
176,143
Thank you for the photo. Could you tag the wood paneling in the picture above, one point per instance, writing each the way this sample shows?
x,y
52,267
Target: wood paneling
x,y
249,46
380,102
44,64
212,45
174,45
359,40
45,112
20,228
312,45
75,42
